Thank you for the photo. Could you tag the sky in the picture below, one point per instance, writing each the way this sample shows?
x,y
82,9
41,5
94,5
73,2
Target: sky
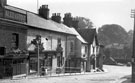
x,y
100,12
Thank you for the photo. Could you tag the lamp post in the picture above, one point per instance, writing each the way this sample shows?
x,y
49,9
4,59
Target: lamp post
x,y
133,55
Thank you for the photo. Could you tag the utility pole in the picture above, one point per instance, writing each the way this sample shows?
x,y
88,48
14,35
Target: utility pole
x,y
37,5
133,55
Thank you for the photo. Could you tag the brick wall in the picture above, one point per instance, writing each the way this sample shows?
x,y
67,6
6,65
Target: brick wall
x,y
6,31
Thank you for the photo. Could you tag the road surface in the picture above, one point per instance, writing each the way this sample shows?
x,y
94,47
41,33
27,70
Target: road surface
x,y
114,74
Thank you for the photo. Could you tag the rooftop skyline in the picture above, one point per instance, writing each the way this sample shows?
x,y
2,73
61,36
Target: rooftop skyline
x,y
99,11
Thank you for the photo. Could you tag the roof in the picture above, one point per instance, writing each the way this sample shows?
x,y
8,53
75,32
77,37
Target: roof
x,y
78,35
88,35
41,23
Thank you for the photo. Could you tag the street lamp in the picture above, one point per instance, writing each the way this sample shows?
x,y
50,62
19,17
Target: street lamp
x,y
133,55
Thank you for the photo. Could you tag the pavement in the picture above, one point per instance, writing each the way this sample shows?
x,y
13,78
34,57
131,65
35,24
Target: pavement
x,y
112,74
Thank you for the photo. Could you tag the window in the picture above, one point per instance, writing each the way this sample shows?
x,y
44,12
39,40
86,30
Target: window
x,y
85,49
2,50
59,41
15,40
71,46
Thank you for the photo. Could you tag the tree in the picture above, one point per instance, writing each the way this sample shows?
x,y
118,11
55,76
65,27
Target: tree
x,y
112,34
117,40
84,23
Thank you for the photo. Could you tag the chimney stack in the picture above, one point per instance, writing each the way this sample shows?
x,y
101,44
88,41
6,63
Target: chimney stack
x,y
44,11
56,17
68,19
3,3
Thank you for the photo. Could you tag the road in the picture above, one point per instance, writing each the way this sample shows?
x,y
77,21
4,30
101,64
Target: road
x,y
114,74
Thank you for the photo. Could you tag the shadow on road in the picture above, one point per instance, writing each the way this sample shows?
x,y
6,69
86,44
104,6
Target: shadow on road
x,y
127,79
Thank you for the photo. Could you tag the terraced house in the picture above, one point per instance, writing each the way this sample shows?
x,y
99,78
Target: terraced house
x,y
19,27
29,42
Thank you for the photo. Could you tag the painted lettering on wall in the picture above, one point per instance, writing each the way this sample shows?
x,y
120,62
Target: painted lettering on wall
x,y
15,16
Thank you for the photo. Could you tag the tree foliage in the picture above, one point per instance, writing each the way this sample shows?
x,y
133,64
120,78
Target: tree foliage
x,y
84,23
116,40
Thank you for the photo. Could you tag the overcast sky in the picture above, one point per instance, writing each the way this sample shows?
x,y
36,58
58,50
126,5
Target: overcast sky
x,y
99,11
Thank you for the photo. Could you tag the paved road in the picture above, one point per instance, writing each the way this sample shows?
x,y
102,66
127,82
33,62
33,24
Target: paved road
x,y
114,74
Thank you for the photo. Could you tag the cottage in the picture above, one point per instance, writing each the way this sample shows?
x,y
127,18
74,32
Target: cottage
x,y
90,36
53,33
81,51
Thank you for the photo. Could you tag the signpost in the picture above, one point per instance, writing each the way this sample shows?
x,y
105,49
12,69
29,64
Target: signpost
x,y
37,43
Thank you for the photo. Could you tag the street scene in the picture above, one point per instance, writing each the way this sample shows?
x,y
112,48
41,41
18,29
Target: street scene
x,y
67,41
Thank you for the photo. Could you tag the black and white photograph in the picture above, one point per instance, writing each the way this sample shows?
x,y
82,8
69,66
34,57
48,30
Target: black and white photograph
x,y
67,41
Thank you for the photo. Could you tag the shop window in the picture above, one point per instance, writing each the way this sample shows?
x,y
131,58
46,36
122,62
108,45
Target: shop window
x,y
48,62
15,40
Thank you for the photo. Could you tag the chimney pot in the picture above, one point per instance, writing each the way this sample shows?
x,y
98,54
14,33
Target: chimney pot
x,y
58,14
56,17
68,19
44,11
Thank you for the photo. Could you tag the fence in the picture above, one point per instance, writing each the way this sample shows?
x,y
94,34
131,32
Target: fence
x,y
19,68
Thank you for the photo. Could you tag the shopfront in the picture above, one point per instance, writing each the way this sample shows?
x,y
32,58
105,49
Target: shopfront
x,y
49,60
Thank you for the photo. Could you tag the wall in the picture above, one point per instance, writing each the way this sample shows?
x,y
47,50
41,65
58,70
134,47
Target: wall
x,y
78,48
71,48
50,43
6,30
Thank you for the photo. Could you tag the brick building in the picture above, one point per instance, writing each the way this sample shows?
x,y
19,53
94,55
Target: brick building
x,y
19,27
13,35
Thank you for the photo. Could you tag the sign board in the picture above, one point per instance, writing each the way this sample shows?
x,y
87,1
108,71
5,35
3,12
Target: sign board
x,y
15,16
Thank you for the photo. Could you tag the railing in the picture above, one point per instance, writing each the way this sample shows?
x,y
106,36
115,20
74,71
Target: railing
x,y
62,72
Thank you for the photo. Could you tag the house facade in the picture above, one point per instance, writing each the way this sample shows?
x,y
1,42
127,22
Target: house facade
x,y
81,51
90,36
53,34
19,27
13,35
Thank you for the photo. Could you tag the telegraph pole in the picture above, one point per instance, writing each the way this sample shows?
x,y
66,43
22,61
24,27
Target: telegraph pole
x,y
37,5
133,55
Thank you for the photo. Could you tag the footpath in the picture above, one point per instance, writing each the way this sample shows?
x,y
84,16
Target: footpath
x,y
32,76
